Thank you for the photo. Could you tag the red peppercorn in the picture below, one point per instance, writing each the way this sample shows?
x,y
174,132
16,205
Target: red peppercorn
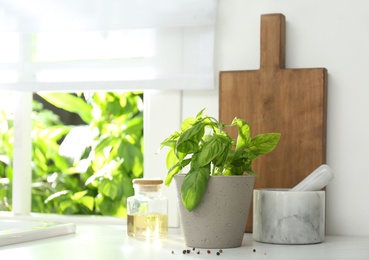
x,y
208,251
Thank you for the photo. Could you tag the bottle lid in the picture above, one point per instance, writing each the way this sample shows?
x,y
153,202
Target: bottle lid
x,y
147,181
147,185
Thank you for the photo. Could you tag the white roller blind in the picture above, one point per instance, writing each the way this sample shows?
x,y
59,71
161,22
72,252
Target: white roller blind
x,y
178,35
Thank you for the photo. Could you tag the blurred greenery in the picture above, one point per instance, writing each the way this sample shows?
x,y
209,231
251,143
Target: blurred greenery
x,y
85,169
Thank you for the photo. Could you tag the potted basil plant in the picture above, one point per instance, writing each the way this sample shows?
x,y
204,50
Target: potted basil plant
x,y
215,193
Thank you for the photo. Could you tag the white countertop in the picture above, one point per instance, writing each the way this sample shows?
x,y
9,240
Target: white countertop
x,y
107,242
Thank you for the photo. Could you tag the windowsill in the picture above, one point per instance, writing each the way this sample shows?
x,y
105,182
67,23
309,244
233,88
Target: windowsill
x,y
83,219
111,242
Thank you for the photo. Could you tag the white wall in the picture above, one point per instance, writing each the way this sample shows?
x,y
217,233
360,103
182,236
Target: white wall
x,y
333,34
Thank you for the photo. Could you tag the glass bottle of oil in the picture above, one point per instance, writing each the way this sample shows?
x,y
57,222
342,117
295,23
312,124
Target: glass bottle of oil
x,y
147,210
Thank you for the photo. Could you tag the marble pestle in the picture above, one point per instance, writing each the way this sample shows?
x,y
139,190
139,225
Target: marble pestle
x,y
316,180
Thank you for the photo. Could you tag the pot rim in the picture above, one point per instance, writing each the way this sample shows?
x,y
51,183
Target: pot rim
x,y
225,176
285,190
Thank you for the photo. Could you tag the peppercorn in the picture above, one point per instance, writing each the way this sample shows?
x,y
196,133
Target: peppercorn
x,y
254,250
184,252
188,251
218,253
208,251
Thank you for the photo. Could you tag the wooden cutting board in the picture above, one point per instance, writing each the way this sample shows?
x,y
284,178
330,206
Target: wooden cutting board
x,y
292,102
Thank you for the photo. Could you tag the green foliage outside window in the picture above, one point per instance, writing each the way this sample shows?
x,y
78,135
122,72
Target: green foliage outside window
x,y
6,157
71,175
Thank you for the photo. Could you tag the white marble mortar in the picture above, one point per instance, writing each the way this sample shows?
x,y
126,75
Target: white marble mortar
x,y
284,217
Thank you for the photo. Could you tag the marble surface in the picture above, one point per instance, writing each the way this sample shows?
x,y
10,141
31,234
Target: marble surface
x,y
286,217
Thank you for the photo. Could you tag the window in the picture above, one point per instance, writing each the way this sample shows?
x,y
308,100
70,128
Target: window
x,y
179,36
93,197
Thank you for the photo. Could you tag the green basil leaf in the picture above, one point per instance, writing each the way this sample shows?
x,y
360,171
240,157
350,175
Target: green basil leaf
x,y
263,144
233,170
194,186
213,148
199,115
188,142
170,141
243,138
171,159
174,170
187,147
187,123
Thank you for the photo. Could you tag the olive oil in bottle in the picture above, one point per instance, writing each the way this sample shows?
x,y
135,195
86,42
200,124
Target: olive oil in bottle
x,y
147,210
147,225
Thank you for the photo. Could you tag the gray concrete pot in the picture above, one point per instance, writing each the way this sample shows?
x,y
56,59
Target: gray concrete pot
x,y
220,219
